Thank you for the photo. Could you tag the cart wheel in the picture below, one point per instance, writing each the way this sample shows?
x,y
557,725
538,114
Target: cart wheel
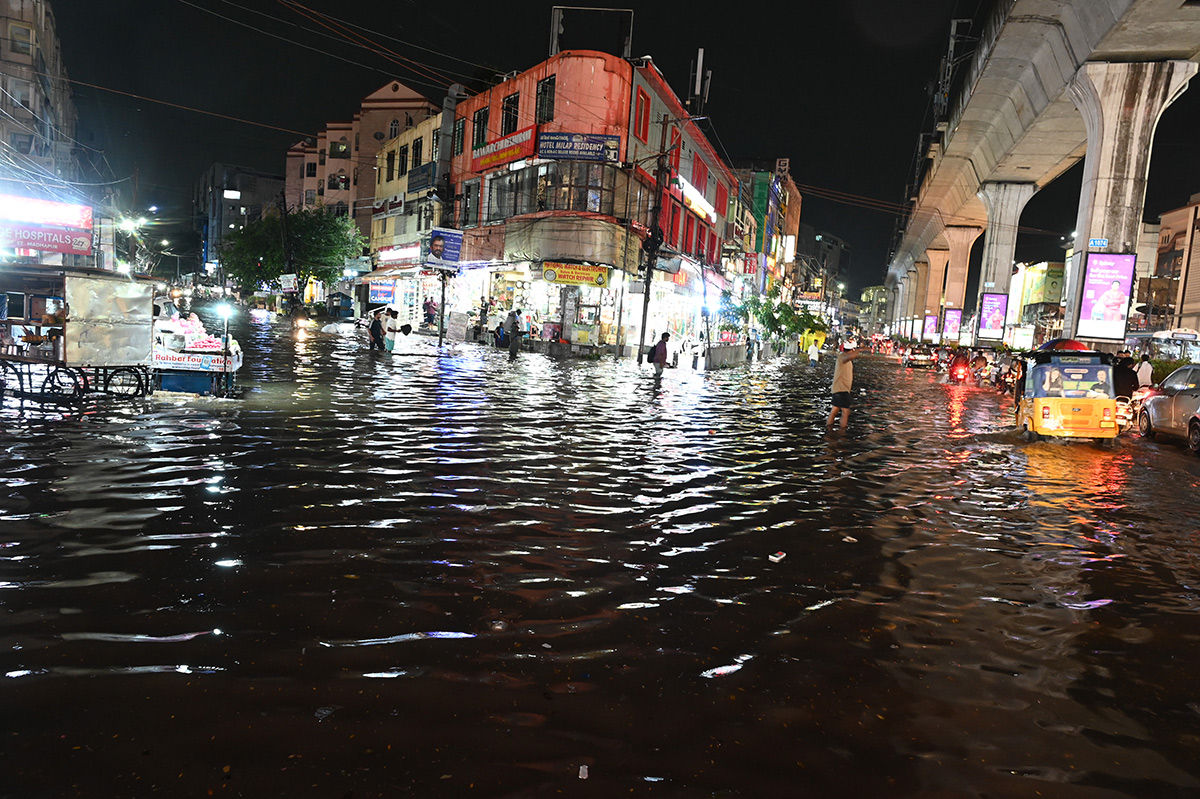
x,y
124,381
11,381
62,383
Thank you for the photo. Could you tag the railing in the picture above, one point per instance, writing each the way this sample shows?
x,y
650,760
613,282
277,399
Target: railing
x,y
987,39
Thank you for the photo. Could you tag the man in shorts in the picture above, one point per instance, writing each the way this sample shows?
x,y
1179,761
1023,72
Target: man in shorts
x,y
843,383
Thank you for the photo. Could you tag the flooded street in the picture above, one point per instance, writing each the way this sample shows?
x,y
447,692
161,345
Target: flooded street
x,y
394,576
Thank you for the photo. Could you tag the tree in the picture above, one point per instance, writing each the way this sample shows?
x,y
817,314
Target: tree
x,y
774,317
320,243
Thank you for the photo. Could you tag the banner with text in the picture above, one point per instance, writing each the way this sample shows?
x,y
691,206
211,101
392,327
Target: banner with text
x,y
1104,306
501,151
575,274
579,147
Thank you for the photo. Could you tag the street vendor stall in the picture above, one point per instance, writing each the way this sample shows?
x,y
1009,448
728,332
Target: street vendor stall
x,y
68,331
187,358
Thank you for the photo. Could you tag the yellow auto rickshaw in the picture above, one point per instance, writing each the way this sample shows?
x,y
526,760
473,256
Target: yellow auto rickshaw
x,y
1068,393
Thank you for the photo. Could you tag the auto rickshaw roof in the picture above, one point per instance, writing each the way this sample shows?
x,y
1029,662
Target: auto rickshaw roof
x,y
1041,356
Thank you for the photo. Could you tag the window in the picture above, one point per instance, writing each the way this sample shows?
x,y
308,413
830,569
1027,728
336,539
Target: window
x,y
22,93
402,160
545,100
417,146
673,229
310,169
310,196
20,38
688,245
321,157
722,203
641,115
470,202
394,129
435,146
560,186
509,111
339,182
700,175
391,165
479,128
460,136
21,142
339,149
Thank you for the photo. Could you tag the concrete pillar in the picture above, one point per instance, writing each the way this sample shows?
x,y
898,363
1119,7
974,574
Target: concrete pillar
x,y
1121,104
1004,203
931,302
919,297
961,239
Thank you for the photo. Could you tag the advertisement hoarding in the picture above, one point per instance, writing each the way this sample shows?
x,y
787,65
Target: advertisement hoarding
x,y
381,291
930,331
1104,303
952,324
992,308
501,151
443,248
579,146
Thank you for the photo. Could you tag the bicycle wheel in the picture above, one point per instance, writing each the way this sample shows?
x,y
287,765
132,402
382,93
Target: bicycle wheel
x,y
62,383
124,381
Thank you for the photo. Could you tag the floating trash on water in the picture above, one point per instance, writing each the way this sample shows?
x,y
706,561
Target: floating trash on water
x,y
583,772
327,711
778,556
499,625
849,539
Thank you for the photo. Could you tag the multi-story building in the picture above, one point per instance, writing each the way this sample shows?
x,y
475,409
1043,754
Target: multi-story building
x,y
873,310
1170,295
336,169
226,198
554,175
38,119
404,212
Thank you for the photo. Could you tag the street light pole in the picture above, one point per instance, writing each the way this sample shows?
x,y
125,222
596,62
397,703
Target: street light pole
x,y
655,239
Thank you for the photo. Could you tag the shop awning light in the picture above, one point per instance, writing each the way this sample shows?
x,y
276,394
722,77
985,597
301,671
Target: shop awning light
x,y
400,253
694,198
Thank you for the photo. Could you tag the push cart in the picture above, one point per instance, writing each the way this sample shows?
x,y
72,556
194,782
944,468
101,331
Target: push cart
x,y
66,332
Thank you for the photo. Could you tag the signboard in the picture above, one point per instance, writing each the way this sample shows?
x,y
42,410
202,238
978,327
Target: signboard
x,y
930,331
1104,305
287,283
501,151
575,274
992,308
382,291
456,326
26,223
421,177
579,147
952,324
1098,243
196,361
751,263
443,248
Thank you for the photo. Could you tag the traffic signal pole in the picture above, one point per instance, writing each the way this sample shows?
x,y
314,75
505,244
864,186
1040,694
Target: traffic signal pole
x,y
655,240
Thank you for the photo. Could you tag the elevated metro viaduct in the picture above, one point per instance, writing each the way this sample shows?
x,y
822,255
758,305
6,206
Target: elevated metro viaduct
x,y
1050,83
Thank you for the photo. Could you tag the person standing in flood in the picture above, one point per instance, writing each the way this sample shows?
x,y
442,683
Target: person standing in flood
x,y
843,383
658,354
814,354
512,330
376,331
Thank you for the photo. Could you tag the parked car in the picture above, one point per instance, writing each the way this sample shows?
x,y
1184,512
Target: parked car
x,y
920,357
1174,408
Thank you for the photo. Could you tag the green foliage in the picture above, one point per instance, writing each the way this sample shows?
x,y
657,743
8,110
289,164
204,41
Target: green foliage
x,y
1163,367
320,243
775,318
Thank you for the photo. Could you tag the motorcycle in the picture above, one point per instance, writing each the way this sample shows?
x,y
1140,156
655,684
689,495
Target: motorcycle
x,y
959,373
1125,415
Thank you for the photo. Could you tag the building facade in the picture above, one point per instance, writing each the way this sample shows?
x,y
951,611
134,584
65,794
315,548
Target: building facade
x,y
337,168
38,122
226,198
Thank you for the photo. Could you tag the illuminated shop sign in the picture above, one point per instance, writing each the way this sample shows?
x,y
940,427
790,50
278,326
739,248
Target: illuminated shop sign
x,y
45,225
575,274
694,198
501,151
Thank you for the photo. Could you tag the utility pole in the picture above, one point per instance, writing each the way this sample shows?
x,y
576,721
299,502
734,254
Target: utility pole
x,y
655,240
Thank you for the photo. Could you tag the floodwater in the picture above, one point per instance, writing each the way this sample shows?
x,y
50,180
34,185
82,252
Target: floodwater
x,y
384,576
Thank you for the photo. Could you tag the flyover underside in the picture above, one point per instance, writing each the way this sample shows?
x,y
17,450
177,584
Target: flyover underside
x,y
1019,124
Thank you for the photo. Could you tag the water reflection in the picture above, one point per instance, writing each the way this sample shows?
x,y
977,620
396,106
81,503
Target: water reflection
x,y
414,574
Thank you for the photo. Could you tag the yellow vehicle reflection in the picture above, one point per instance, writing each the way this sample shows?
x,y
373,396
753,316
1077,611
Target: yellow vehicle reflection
x,y
1068,394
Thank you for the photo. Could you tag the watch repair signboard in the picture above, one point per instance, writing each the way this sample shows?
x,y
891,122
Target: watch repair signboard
x,y
575,274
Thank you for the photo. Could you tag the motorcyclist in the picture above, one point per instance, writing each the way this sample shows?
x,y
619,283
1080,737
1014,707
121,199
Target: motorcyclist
x,y
959,360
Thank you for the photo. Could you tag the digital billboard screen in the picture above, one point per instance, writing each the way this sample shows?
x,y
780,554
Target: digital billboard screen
x,y
930,327
952,324
992,308
1104,304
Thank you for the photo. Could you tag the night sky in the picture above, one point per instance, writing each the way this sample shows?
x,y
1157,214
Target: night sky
x,y
840,87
